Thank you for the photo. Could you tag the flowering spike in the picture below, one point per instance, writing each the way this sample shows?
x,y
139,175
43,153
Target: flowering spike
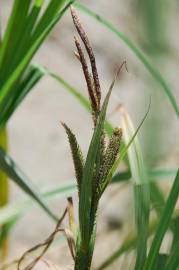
x,y
94,104
111,154
76,154
89,50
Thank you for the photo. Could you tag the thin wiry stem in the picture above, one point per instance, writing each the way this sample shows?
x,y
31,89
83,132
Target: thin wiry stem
x,y
89,50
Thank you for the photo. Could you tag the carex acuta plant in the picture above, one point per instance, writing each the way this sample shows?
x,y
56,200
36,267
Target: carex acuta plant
x,y
92,173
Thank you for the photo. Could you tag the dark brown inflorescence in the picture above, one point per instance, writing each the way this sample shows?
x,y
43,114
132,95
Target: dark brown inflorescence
x,y
108,153
92,81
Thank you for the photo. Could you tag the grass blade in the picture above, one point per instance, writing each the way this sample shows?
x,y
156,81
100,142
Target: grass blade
x,y
163,224
123,153
13,100
51,11
173,260
30,53
16,21
11,169
87,179
141,189
4,190
174,228
161,261
82,99
140,55
11,44
128,244
153,176
4,197
19,208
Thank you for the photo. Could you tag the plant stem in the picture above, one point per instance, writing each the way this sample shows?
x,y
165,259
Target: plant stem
x,y
83,260
84,255
84,251
4,194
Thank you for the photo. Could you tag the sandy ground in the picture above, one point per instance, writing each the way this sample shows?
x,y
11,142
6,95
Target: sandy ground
x,y
39,144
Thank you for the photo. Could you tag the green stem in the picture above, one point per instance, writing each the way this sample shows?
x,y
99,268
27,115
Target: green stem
x,y
84,251
83,260
4,195
84,255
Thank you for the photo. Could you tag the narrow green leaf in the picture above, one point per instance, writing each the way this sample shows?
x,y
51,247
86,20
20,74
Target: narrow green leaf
x,y
12,170
123,153
5,230
153,176
19,208
162,173
51,11
173,260
161,261
129,243
136,162
140,55
39,3
163,224
157,198
142,207
26,39
4,196
12,45
81,98
22,65
18,14
175,230
87,180
25,85
4,186
141,189
121,177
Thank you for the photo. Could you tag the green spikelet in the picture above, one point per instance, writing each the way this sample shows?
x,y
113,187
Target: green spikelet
x,y
110,156
76,154
103,146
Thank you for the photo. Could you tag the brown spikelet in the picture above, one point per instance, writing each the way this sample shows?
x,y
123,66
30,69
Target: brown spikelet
x,y
89,50
89,83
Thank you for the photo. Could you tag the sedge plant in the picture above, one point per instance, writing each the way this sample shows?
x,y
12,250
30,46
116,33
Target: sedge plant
x,y
93,173
96,172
